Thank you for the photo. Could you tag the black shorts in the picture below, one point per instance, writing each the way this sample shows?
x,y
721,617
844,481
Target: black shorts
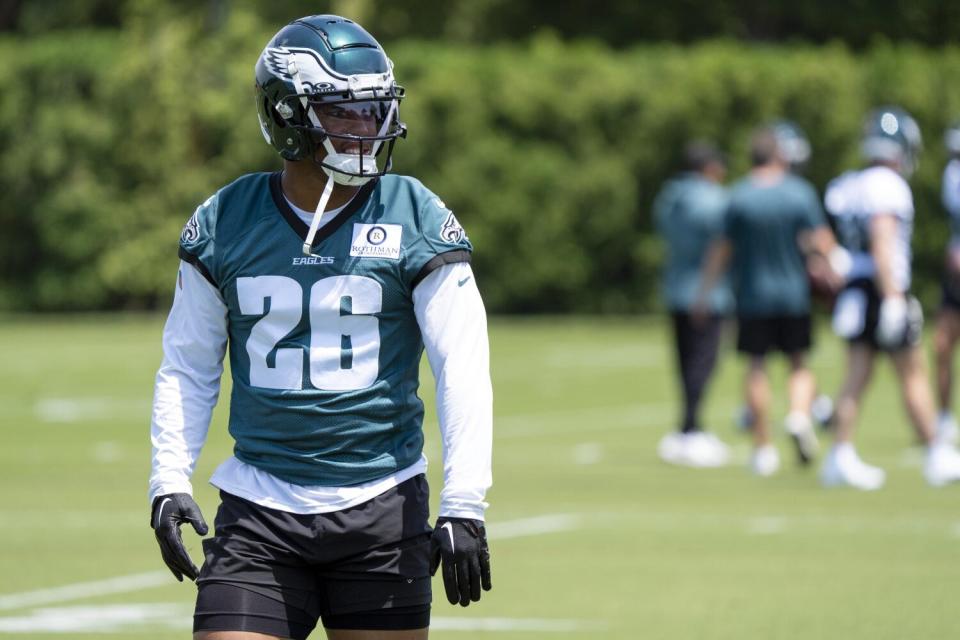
x,y
857,315
759,335
277,573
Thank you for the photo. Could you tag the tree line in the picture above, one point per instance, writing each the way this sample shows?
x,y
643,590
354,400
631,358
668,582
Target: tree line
x,y
550,151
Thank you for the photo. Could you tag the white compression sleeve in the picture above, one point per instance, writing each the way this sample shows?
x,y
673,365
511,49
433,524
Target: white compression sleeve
x,y
453,322
188,382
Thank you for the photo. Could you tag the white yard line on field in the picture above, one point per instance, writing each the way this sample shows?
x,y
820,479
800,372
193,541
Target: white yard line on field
x,y
101,618
512,624
67,410
538,525
121,584
766,525
593,419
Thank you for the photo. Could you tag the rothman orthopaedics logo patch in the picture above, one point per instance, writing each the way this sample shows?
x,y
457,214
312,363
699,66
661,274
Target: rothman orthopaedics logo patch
x,y
376,241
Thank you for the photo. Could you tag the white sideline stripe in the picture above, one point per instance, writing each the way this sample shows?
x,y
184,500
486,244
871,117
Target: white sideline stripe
x,y
121,584
537,525
550,523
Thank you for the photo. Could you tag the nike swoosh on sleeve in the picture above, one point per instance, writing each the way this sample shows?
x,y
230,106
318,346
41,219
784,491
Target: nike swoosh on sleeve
x,y
460,283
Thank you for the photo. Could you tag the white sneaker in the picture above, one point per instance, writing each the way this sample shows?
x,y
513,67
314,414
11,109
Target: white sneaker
x,y
800,428
702,449
844,468
947,431
942,465
696,449
765,461
670,448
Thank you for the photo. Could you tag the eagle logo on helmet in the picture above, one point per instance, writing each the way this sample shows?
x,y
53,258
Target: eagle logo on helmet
x,y
287,63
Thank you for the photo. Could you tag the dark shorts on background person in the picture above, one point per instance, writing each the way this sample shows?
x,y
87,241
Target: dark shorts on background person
x,y
869,305
277,573
759,335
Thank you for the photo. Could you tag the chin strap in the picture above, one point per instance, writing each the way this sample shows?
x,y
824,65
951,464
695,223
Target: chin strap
x,y
315,223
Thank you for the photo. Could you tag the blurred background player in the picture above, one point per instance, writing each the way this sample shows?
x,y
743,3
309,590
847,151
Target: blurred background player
x,y
948,317
773,221
689,216
824,273
873,208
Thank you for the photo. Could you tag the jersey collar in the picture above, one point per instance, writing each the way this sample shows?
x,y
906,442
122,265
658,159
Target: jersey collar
x,y
327,230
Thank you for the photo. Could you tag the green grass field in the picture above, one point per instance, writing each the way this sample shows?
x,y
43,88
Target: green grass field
x,y
592,536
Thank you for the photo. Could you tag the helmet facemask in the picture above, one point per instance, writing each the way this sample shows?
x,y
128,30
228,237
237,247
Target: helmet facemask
x,y
352,127
353,135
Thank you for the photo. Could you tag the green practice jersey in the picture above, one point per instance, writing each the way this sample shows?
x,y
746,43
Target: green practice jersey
x,y
689,213
764,222
324,349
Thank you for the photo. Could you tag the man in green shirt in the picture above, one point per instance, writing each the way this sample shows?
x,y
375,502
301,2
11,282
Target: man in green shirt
x,y
773,221
689,214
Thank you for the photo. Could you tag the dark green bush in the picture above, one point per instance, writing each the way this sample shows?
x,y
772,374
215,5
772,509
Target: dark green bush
x,y
550,153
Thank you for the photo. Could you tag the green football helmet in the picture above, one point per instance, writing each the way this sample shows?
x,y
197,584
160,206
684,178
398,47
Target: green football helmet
x,y
890,134
324,83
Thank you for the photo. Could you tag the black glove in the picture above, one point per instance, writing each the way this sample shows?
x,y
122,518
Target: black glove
x,y
169,512
462,545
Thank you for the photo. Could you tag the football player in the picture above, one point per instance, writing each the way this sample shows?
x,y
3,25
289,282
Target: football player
x,y
875,312
689,215
773,221
324,282
947,329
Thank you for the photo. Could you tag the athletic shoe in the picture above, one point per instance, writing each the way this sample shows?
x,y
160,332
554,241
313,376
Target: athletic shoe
x,y
702,449
822,410
844,468
947,431
800,429
765,461
695,449
942,465
670,448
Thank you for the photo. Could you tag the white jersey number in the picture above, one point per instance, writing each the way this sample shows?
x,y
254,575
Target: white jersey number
x,y
344,336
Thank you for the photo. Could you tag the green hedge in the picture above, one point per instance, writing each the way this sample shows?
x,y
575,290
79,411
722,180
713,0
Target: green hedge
x,y
550,153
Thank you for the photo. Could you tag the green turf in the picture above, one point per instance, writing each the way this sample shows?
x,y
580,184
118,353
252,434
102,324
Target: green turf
x,y
649,551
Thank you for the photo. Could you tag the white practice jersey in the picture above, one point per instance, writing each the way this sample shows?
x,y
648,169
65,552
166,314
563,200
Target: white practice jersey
x,y
853,199
951,198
